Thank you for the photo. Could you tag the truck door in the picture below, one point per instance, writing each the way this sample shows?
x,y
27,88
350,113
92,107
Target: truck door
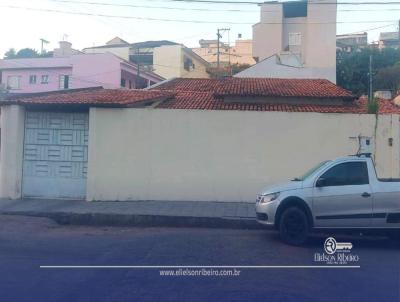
x,y
342,196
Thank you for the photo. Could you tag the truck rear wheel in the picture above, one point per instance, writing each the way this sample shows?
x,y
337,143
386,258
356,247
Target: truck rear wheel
x,y
294,226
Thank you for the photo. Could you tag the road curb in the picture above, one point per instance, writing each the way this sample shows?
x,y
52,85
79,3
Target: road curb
x,y
107,219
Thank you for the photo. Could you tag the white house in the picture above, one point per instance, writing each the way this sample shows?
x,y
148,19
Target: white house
x,y
186,139
295,39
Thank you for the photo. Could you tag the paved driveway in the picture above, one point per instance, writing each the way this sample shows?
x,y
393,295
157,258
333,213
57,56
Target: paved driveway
x,y
26,243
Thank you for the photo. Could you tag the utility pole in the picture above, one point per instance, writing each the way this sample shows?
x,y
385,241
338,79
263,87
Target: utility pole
x,y
219,36
229,53
43,41
370,96
138,68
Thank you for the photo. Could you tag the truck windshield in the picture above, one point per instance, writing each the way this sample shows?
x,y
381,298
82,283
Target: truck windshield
x,y
311,171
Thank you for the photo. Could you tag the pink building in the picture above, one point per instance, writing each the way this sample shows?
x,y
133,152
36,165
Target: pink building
x,y
71,72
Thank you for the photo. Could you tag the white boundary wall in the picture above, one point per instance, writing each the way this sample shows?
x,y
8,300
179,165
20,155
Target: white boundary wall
x,y
11,151
161,154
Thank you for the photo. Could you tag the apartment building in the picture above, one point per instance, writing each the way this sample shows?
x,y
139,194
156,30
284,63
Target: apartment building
x,y
295,39
240,53
165,58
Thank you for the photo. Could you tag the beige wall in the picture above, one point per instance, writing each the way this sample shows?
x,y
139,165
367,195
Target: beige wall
x,y
269,68
267,35
168,62
11,151
156,154
321,43
318,29
122,52
240,53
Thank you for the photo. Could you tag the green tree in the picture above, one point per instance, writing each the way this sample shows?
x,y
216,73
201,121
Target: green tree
x,y
236,68
27,53
10,54
353,68
388,78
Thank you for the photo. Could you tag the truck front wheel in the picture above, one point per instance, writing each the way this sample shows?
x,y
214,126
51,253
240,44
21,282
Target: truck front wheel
x,y
294,226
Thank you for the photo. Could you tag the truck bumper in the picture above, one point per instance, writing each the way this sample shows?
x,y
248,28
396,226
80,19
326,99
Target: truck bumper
x,y
265,212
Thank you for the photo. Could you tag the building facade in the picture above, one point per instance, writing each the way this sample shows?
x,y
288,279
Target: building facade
x,y
240,53
297,38
165,58
389,39
352,42
72,72
186,139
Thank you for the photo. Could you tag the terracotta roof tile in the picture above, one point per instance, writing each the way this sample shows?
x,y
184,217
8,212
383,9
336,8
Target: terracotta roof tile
x,y
311,88
207,101
200,94
385,106
93,97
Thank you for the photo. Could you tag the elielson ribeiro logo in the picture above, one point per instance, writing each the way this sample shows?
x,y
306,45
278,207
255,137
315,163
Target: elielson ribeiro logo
x,y
338,253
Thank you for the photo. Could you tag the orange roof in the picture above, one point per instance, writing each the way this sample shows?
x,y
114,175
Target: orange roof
x,y
92,96
310,88
208,94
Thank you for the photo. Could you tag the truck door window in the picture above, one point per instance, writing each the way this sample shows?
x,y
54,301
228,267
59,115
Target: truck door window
x,y
346,174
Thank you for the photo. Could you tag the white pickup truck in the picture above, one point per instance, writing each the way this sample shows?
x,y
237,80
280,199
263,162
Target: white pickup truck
x,y
344,193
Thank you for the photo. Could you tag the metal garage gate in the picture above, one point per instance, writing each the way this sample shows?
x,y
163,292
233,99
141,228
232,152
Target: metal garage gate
x,y
55,155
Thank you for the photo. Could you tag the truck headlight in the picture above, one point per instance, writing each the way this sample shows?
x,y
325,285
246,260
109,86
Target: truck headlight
x,y
269,197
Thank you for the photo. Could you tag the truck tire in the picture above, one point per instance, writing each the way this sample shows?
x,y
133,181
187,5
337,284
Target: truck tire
x,y
294,226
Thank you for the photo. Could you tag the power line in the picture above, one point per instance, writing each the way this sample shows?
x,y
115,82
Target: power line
x,y
152,7
191,8
180,20
258,3
369,29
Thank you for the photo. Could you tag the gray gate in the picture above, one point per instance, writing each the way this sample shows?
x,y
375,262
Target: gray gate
x,y
55,155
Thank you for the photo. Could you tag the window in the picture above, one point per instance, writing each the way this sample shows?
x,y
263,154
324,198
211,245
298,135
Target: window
x,y
45,79
346,174
311,171
294,39
64,82
123,82
32,79
295,9
188,64
14,82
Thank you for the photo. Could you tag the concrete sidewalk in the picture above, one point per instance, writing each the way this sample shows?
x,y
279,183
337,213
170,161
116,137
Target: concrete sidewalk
x,y
137,213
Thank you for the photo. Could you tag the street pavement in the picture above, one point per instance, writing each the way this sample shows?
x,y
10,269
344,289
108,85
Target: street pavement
x,y
26,243
137,213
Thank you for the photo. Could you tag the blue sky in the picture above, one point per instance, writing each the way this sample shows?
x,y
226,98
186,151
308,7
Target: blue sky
x,y
23,28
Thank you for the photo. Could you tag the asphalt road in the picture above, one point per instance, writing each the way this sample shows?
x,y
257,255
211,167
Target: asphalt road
x,y
27,243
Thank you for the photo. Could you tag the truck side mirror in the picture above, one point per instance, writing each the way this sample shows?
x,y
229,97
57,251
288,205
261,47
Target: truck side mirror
x,y
321,182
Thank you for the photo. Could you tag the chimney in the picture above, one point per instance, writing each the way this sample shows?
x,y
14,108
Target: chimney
x,y
64,50
65,45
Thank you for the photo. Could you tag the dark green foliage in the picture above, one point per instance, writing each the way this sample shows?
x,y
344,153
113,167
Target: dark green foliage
x,y
353,68
373,106
24,53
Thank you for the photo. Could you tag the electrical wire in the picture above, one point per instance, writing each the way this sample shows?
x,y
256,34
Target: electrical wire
x,y
191,8
183,21
258,3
